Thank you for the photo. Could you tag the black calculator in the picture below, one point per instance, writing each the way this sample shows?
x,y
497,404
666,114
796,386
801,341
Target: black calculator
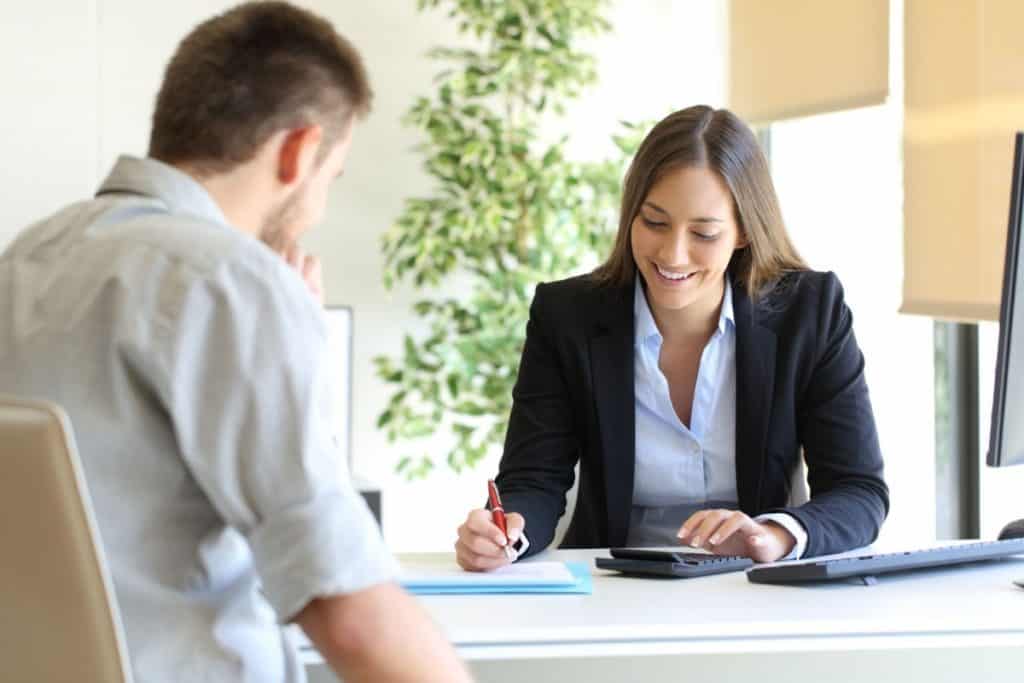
x,y
678,564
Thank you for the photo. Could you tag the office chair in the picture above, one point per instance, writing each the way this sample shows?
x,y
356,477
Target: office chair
x,y
58,617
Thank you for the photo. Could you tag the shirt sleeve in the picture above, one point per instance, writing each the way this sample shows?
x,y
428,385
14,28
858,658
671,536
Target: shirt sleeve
x,y
249,396
793,526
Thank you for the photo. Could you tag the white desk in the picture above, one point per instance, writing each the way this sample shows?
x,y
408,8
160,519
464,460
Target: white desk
x,y
956,624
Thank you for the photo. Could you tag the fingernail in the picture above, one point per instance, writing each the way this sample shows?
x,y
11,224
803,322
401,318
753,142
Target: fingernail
x,y
500,540
682,533
757,540
714,540
695,541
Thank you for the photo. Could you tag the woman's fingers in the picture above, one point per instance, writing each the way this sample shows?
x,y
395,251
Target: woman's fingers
x,y
737,522
694,521
516,524
481,544
716,531
480,523
712,520
476,562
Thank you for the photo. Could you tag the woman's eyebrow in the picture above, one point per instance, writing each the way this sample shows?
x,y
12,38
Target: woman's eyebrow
x,y
654,206
699,219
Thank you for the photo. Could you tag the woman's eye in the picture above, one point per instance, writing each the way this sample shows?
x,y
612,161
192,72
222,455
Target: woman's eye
x,y
652,224
706,237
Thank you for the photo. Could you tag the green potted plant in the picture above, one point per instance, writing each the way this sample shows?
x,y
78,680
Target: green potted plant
x,y
510,210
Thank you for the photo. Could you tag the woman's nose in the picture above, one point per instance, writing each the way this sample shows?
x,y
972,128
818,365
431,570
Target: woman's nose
x,y
674,250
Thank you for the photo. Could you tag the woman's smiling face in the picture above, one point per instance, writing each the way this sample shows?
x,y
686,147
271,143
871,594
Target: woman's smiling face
x,y
683,238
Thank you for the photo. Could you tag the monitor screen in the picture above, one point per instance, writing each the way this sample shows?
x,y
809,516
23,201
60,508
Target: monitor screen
x,y
1006,438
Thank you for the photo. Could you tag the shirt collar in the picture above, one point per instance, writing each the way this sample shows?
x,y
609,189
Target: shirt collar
x,y
727,315
646,328
178,191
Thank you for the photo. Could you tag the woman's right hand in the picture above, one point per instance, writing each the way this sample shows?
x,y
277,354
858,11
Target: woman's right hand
x,y
481,545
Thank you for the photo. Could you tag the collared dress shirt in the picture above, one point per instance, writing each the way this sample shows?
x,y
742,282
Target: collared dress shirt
x,y
679,469
192,362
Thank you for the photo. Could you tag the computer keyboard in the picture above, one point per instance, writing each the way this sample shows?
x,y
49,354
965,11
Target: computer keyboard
x,y
867,566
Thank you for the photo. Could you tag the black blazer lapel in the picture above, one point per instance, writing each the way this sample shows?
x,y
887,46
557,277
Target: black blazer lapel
x,y
611,362
755,377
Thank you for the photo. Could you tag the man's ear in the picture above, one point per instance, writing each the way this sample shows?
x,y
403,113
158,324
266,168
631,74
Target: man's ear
x,y
297,154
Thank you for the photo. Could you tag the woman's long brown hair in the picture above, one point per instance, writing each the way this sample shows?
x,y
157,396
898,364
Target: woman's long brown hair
x,y
716,139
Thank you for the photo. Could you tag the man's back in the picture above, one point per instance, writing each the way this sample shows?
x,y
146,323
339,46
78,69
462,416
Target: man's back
x,y
187,355
169,318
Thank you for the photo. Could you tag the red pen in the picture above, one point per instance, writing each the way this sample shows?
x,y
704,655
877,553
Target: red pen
x,y
497,512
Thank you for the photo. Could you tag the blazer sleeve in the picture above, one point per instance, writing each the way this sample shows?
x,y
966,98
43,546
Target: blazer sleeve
x,y
541,445
849,498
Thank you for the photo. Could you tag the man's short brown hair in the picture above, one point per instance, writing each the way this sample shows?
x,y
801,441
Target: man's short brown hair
x,y
241,76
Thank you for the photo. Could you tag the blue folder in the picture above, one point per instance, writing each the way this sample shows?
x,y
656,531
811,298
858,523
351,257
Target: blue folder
x,y
580,572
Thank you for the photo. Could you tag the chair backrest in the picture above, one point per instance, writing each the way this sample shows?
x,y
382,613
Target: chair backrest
x,y
58,617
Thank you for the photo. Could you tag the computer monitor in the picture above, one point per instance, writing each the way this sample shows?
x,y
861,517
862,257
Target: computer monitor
x,y
1006,438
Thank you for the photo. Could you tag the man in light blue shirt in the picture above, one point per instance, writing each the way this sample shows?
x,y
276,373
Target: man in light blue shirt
x,y
170,317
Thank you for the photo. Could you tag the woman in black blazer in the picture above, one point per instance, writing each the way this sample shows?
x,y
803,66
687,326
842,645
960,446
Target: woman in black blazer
x,y
702,259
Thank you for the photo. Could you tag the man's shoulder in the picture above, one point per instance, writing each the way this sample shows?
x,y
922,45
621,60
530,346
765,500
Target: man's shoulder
x,y
201,244
197,246
121,224
199,254
160,254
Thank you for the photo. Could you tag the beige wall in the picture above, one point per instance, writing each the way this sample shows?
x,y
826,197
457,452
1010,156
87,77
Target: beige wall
x,y
48,116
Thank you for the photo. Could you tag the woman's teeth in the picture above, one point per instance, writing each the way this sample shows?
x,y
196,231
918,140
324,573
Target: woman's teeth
x,y
671,275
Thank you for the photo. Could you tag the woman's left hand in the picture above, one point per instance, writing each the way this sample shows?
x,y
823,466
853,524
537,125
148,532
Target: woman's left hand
x,y
731,532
